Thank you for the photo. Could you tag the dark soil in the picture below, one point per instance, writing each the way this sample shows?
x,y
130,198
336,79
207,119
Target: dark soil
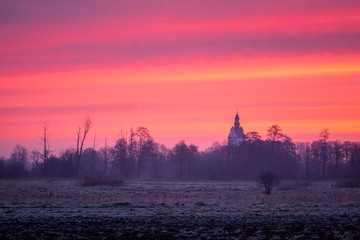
x,y
346,226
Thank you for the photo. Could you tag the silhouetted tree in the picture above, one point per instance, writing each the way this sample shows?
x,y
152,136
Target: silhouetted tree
x,y
158,169
180,155
67,157
106,153
336,158
268,180
324,136
354,163
307,160
316,149
143,138
120,165
274,134
214,163
346,147
148,157
288,146
132,149
193,152
46,147
2,167
252,137
37,166
17,162
94,153
91,165
81,134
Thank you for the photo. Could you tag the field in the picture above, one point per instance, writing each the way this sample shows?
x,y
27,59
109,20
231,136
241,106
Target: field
x,y
48,209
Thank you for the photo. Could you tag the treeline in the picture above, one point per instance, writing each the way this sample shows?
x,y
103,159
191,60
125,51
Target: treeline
x,y
137,156
323,159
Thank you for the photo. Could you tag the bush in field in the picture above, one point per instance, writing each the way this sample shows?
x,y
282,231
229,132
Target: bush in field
x,y
268,180
348,183
101,181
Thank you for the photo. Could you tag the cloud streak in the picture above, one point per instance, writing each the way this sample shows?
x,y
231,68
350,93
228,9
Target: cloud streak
x,y
183,50
60,110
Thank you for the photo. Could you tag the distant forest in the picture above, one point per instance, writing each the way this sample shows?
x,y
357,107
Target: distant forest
x,y
137,156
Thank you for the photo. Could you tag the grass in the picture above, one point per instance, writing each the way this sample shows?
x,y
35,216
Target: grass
x,y
101,181
70,192
348,183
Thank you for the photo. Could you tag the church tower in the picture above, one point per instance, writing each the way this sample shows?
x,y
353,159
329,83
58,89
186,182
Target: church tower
x,y
236,135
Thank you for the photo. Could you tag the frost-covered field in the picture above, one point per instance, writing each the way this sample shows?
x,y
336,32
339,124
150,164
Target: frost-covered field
x,y
183,210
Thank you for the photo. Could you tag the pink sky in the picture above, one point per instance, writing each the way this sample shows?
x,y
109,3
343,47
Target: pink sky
x,y
179,68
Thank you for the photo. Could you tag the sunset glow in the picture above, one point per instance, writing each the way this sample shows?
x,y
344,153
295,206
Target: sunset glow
x,y
179,68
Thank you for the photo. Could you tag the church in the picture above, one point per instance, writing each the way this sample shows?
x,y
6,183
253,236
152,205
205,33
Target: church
x,y
236,135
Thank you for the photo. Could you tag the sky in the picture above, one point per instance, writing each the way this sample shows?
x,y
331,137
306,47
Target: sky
x,y
179,68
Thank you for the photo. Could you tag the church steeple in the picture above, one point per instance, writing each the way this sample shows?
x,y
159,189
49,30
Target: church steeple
x,y
237,123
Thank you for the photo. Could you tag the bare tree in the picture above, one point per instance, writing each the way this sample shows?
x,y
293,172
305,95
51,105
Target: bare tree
x,y
347,152
193,151
268,180
106,154
92,167
324,136
252,137
180,155
120,166
288,146
81,134
132,149
354,162
338,156
274,134
2,167
143,136
18,160
67,157
307,160
46,146
36,165
19,155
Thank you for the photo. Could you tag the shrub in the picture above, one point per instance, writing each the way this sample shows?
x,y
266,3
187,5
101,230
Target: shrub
x,y
101,181
199,204
121,204
348,183
268,180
